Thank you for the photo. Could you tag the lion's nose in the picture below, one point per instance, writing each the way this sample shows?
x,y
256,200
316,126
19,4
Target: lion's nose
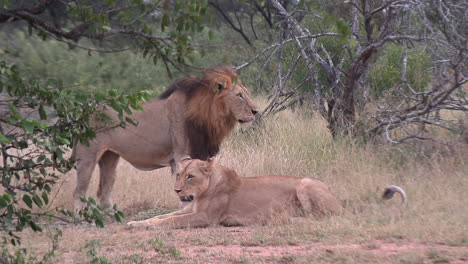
x,y
254,112
177,190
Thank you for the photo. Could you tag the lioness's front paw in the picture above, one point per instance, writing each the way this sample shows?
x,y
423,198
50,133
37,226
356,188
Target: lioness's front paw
x,y
132,223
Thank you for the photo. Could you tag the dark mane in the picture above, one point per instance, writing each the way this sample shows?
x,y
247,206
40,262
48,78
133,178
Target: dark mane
x,y
207,119
190,84
187,85
201,146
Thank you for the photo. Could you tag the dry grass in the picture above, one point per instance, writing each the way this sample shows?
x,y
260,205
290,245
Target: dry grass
x,y
299,144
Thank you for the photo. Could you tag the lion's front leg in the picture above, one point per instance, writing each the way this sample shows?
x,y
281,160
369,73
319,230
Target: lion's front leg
x,y
176,221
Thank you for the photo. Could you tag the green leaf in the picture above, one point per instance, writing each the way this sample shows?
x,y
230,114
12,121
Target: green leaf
x,y
7,196
65,141
27,200
4,139
42,113
106,28
120,215
12,108
117,218
37,200
67,212
164,22
41,158
34,226
99,222
211,34
131,121
3,203
28,126
138,107
45,197
116,106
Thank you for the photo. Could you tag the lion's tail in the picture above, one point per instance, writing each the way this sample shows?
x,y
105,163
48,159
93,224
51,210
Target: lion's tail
x,y
391,190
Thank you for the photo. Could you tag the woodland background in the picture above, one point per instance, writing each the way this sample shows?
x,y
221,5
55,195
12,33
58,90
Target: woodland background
x,y
359,94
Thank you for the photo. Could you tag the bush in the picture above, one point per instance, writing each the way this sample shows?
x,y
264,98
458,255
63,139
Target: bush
x,y
88,71
385,73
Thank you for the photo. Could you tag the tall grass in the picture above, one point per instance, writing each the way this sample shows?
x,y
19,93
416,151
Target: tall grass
x,y
298,143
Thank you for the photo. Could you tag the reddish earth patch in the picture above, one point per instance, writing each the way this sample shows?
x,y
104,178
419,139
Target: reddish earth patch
x,y
119,244
280,252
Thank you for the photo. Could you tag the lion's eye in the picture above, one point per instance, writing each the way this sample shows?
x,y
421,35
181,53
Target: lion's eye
x,y
190,177
241,96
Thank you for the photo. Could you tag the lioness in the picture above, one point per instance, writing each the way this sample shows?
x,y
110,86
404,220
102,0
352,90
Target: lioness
x,y
219,196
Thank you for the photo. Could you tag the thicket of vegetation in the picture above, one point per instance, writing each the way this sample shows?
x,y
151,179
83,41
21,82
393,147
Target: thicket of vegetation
x,y
374,70
78,69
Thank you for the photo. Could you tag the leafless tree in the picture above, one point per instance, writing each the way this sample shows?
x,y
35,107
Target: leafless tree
x,y
445,22
241,16
338,76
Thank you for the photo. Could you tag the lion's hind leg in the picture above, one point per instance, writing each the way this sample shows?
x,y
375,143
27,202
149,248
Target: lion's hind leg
x,y
316,199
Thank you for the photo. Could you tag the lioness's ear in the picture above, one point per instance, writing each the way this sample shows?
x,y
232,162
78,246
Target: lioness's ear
x,y
210,161
184,158
206,168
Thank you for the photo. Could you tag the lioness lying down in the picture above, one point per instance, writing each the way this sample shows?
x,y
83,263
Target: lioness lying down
x,y
219,196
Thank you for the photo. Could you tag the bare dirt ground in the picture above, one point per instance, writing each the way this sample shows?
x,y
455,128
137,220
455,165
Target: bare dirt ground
x,y
261,244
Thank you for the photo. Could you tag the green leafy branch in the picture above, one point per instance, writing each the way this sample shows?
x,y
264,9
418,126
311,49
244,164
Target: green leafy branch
x,y
33,150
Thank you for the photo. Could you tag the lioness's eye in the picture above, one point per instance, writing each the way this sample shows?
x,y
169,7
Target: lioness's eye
x,y
240,95
190,177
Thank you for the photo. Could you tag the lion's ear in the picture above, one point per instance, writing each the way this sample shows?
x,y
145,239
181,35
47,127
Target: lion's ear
x,y
218,87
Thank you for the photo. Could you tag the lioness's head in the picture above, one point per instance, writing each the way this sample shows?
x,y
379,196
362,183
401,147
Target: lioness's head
x,y
192,178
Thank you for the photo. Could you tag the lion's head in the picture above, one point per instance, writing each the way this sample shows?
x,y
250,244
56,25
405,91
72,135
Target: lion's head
x,y
214,104
193,178
221,101
229,97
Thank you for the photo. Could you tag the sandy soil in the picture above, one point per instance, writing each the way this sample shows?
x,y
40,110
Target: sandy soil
x,y
119,244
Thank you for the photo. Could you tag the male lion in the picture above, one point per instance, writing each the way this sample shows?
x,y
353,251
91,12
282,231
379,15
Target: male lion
x,y
220,196
191,117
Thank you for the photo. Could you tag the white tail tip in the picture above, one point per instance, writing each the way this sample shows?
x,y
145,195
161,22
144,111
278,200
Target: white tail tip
x,y
391,190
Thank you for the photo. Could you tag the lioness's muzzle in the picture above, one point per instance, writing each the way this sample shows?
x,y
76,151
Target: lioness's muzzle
x,y
187,198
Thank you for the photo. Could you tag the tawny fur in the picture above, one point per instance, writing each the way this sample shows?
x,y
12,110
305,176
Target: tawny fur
x,y
191,117
220,196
